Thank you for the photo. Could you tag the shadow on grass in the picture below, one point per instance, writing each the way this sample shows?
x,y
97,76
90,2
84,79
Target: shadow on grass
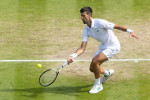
x,y
65,90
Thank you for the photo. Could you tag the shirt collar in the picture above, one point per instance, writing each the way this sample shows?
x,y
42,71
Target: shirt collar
x,y
92,24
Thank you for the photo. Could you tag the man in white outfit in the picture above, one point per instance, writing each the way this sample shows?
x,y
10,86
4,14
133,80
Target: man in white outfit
x,y
101,30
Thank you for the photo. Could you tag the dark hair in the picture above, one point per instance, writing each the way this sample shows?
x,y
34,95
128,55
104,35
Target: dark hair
x,y
88,10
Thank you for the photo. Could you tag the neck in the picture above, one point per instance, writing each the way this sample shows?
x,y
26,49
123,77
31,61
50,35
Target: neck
x,y
89,22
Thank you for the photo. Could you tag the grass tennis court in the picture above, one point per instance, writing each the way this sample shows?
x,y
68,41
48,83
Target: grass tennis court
x,y
20,82
52,29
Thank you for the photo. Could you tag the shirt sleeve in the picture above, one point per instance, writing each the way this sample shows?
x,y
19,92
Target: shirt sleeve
x,y
105,24
85,35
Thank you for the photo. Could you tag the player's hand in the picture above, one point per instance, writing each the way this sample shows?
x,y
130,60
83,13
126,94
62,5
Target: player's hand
x,y
133,35
70,60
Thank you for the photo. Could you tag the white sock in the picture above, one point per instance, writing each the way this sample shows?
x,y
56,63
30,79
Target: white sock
x,y
97,81
106,72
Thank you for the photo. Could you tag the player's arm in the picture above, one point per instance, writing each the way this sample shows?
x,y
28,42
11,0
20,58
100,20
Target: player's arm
x,y
126,30
78,52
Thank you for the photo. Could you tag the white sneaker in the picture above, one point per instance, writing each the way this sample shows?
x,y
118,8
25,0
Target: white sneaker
x,y
96,88
104,78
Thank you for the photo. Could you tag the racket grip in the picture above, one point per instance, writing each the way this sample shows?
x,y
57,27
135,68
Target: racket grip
x,y
65,64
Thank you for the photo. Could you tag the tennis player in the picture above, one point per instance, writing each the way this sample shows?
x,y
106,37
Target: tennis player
x,y
102,31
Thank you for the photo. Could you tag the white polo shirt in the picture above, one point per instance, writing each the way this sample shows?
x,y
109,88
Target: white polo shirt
x,y
101,30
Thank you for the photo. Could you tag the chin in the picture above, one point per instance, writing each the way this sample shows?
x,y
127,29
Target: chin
x,y
84,22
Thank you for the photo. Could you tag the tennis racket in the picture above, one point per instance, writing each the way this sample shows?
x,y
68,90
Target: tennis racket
x,y
49,76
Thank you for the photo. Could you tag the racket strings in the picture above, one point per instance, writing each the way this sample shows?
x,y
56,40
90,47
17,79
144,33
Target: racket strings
x,y
48,77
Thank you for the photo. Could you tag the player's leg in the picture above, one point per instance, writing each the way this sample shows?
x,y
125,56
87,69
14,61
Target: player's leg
x,y
109,53
97,70
95,64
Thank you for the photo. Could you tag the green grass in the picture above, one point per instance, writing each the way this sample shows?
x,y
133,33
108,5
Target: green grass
x,y
38,29
19,81
51,29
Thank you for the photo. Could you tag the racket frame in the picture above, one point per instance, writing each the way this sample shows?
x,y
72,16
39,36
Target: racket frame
x,y
57,72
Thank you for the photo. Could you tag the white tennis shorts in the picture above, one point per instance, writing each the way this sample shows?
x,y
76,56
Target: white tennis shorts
x,y
109,53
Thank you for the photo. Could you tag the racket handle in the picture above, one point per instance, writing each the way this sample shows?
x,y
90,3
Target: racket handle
x,y
65,64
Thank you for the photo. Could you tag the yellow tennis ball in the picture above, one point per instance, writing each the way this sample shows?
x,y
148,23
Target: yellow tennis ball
x,y
39,65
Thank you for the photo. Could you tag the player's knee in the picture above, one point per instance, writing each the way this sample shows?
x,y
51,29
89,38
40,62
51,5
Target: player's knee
x,y
91,69
95,61
93,65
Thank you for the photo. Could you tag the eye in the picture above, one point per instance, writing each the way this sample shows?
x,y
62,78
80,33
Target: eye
x,y
83,15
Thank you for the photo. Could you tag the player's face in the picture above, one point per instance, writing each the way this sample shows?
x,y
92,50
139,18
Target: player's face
x,y
85,17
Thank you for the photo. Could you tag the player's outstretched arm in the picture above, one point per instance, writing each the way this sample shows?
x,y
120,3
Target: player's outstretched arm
x,y
78,52
131,33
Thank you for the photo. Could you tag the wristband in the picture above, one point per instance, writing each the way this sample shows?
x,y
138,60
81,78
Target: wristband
x,y
129,31
74,55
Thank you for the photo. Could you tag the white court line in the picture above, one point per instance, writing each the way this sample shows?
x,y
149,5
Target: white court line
x,y
135,60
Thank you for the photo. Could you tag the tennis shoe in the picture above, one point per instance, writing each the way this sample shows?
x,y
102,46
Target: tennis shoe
x,y
105,77
96,88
